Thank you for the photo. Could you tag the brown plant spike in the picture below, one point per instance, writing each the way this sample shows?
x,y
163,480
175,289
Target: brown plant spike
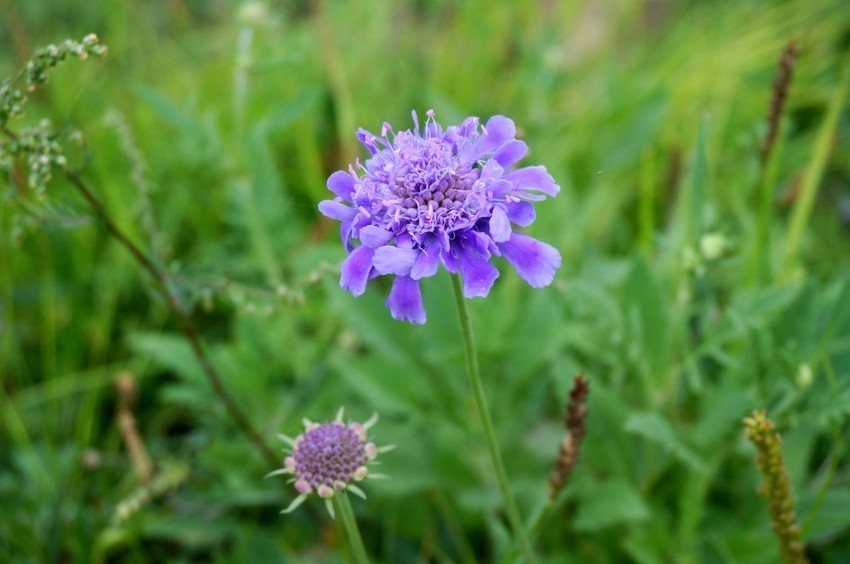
x,y
570,447
780,92
776,488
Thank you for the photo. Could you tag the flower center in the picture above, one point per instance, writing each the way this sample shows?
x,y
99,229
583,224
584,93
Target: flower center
x,y
419,186
329,453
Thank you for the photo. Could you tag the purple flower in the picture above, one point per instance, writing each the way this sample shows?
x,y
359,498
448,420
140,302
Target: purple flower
x,y
440,197
329,457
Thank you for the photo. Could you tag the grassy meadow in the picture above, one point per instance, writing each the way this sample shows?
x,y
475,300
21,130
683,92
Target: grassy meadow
x,y
703,278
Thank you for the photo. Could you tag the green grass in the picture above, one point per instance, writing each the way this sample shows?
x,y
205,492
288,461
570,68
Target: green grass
x,y
209,139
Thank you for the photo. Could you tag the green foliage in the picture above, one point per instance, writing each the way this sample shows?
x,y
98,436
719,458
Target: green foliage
x,y
209,132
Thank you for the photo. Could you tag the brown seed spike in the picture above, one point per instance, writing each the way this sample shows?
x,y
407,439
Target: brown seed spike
x,y
780,92
776,488
570,447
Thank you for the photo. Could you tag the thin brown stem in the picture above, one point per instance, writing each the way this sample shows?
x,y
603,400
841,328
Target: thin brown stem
x,y
183,320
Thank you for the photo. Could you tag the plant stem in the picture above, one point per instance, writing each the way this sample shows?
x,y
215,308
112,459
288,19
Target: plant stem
x,y
183,320
484,412
346,515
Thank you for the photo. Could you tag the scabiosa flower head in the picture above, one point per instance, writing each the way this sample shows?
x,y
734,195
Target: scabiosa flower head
x,y
440,197
329,457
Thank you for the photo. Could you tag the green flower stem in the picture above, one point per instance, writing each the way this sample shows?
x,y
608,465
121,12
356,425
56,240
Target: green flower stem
x,y
346,515
481,402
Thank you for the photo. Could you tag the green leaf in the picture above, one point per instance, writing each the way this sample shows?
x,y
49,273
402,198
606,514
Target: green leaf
x,y
832,518
645,544
160,103
657,429
169,351
650,331
387,389
611,503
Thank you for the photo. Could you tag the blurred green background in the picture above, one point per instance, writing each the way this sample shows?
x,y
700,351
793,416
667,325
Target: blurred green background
x,y
696,286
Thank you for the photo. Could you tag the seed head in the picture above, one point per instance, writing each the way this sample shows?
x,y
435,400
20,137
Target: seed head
x,y
328,458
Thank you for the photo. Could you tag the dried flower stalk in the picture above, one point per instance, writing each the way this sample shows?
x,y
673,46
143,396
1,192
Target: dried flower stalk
x,y
570,447
125,384
780,93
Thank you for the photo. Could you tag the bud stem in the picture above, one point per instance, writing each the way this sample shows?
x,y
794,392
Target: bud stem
x,y
346,515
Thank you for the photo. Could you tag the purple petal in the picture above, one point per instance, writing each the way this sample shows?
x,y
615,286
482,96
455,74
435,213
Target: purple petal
x,y
368,140
354,272
428,261
345,235
468,127
480,242
443,238
477,273
501,188
510,153
533,178
374,236
415,122
491,172
390,259
405,300
521,213
500,226
450,260
337,210
535,261
342,184
403,240
433,129
498,131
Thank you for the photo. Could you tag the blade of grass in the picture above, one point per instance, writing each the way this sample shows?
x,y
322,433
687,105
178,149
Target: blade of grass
x,y
338,83
646,204
811,178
